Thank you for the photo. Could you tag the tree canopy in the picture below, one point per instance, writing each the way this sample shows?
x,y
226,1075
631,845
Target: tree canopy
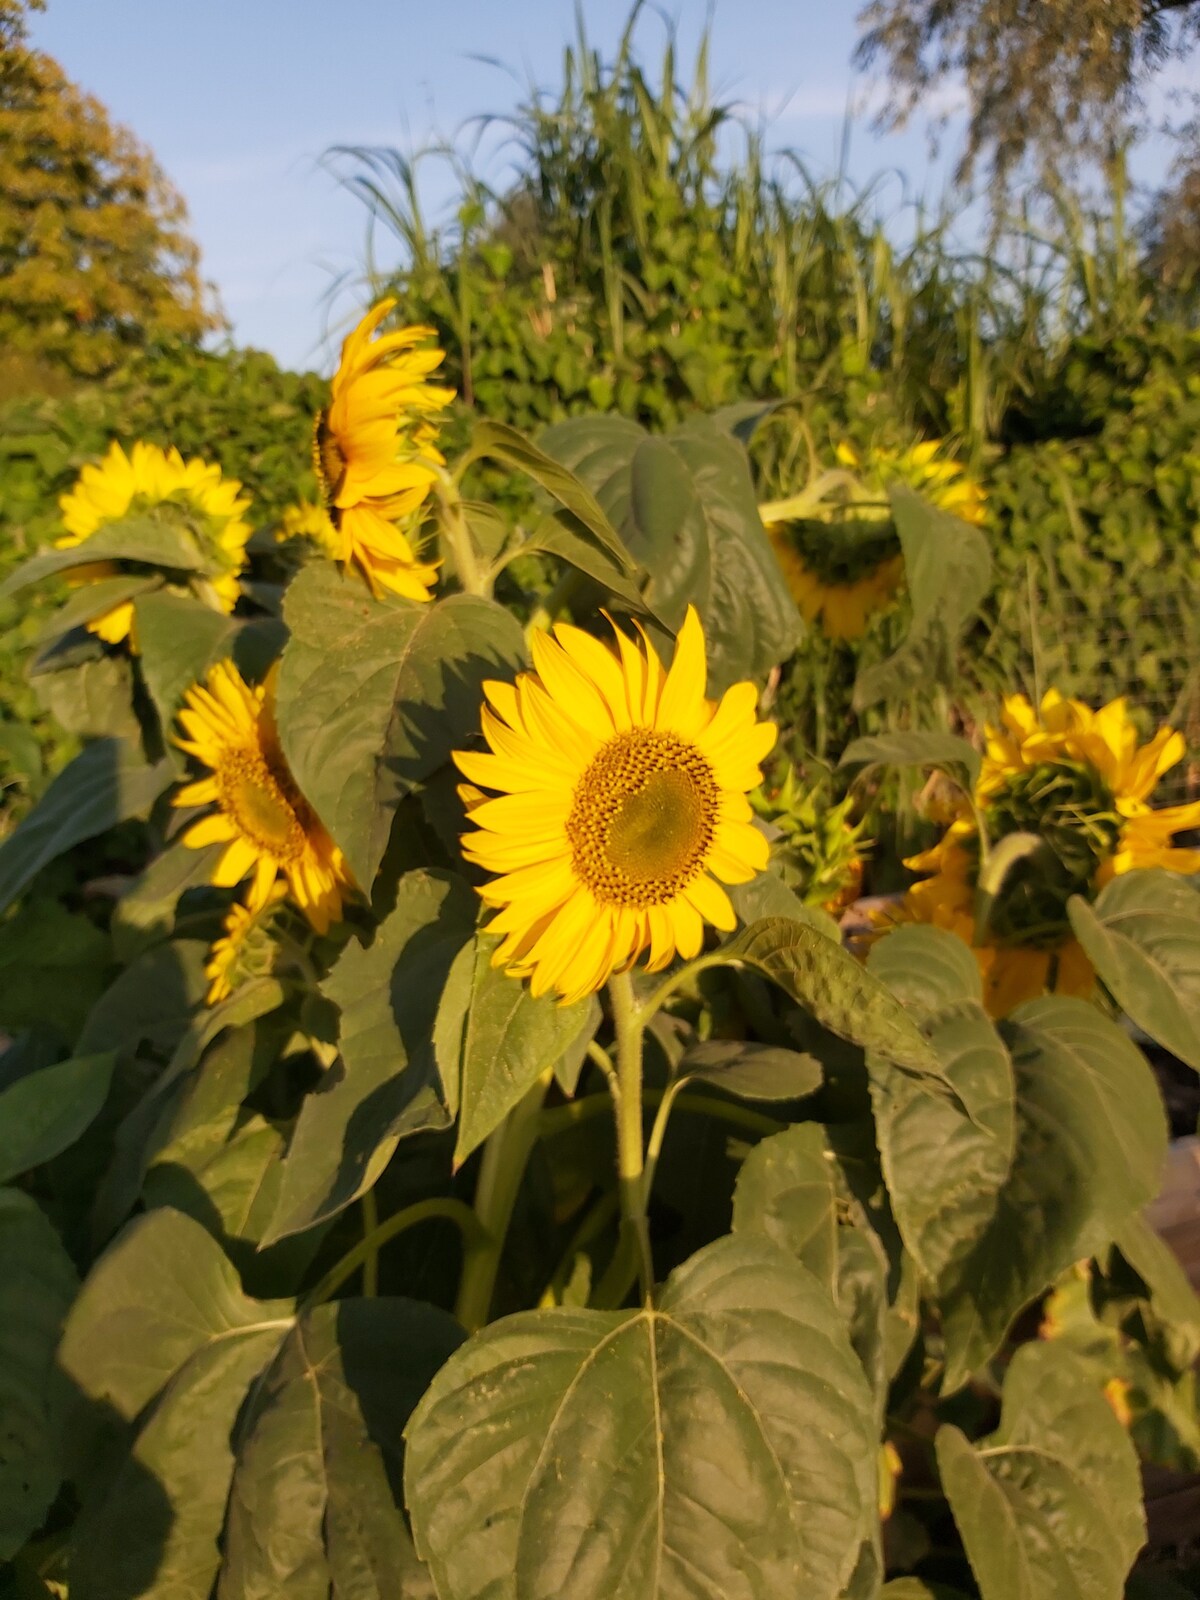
x,y
94,254
1048,81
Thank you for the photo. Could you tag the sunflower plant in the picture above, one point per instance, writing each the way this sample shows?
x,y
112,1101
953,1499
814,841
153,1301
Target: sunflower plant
x,y
477,1171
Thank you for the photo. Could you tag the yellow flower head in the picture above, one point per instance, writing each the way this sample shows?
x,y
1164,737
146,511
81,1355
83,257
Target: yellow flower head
x,y
622,801
375,455
1080,782
837,548
267,826
147,477
243,950
309,522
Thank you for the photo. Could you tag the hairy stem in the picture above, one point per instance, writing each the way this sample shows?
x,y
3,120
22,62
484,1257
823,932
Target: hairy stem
x,y
629,1022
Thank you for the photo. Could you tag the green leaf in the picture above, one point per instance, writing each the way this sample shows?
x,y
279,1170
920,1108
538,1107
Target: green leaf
x,y
44,1112
786,1190
1051,1503
162,1292
93,600
153,1528
974,1132
105,784
150,539
766,895
499,1043
93,698
152,1001
927,749
918,1589
37,1284
513,449
315,1506
834,988
387,1085
658,1452
179,639
752,1071
1172,1300
375,694
948,570
145,913
1143,938
559,536
685,507
1090,1141
54,964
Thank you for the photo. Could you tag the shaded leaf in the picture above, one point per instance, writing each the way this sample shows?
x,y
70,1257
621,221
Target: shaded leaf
x,y
375,694
1050,1504
922,749
145,912
947,569
834,988
766,895
657,1452
499,1043
93,600
1090,1142
1142,935
44,1112
315,1506
107,783
37,1283
752,1071
387,1084
150,539
786,1190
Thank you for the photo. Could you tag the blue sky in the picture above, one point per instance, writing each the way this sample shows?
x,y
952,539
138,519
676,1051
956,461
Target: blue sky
x,y
240,98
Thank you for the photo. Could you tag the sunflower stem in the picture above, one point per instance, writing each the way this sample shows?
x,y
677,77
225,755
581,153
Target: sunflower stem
x,y
629,1021
506,1154
472,577
455,1210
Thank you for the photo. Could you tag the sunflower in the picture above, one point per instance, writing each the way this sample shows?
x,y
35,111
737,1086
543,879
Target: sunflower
x,y
838,551
375,455
147,477
262,818
622,801
242,951
1080,782
311,524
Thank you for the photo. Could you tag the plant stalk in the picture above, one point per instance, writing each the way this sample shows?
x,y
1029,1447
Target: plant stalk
x,y
630,1025
506,1154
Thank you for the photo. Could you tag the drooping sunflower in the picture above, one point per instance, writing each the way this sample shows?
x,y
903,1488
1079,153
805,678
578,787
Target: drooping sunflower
x,y
1079,781
375,453
838,549
267,826
146,477
243,950
621,803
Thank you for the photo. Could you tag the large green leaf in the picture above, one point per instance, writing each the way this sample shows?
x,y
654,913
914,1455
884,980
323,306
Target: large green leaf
x,y
925,749
152,1528
786,1190
180,638
37,1283
1090,1141
162,1292
513,449
948,570
44,1112
145,913
834,988
1172,1301
1050,1504
974,1133
1143,938
495,1040
721,1443
766,895
387,1084
316,1507
107,783
685,506
152,539
375,694
54,965
93,600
